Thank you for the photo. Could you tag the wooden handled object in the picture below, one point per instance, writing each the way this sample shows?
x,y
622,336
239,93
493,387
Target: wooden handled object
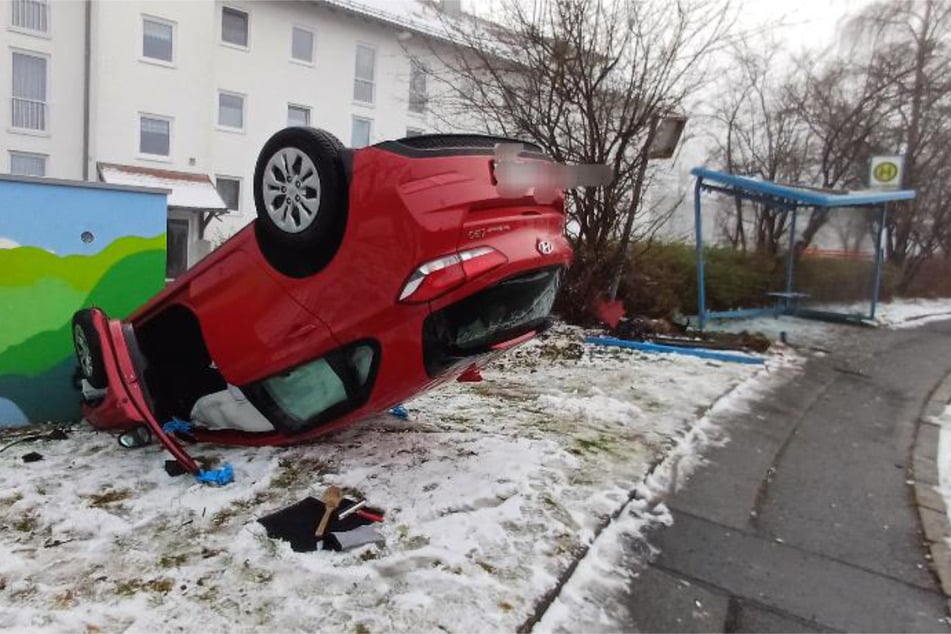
x,y
332,497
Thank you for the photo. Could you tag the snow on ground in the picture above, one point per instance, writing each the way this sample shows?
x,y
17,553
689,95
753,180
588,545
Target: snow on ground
x,y
594,599
944,459
491,490
798,332
811,333
909,313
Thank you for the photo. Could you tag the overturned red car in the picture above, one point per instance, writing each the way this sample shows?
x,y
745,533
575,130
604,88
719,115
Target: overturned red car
x,y
368,276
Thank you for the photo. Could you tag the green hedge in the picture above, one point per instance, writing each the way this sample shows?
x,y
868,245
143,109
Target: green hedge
x,y
661,279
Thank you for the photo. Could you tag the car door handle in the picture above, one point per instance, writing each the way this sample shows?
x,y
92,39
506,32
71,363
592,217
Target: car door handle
x,y
301,330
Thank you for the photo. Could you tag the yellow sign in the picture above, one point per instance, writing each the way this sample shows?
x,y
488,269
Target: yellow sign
x,y
885,172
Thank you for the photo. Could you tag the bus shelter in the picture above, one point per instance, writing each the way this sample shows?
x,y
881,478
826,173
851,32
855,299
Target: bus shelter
x,y
777,198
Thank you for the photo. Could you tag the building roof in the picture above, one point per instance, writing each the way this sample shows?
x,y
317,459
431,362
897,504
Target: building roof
x,y
417,16
187,190
63,182
797,196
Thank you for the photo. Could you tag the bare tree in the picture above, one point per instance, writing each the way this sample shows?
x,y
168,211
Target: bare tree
x,y
758,132
845,104
586,80
911,44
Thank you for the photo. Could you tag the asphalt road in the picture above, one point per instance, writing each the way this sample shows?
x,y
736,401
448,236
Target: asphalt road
x,y
805,520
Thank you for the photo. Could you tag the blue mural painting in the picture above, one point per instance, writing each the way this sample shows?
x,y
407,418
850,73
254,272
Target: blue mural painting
x,y
63,247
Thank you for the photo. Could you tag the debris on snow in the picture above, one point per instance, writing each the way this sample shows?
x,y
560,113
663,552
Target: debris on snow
x,y
492,489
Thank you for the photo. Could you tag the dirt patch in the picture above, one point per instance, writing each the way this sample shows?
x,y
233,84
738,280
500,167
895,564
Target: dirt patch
x,y
107,497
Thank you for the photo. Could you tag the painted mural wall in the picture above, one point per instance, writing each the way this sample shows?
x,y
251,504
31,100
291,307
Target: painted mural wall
x,y
64,247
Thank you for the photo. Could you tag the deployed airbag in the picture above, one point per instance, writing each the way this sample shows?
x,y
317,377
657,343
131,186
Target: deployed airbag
x,y
229,409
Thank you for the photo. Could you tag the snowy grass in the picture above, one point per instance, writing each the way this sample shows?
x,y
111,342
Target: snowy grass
x,y
897,314
491,491
909,313
944,459
595,598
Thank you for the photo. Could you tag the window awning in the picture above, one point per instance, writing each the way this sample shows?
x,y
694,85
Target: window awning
x,y
187,190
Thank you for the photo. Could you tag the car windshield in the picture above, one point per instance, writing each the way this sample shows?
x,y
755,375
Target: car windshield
x,y
501,312
503,309
316,391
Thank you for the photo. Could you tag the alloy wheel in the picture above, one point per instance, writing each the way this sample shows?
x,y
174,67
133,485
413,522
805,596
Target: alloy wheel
x,y
83,352
291,190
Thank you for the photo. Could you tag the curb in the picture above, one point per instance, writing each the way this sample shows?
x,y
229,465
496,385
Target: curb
x,y
931,506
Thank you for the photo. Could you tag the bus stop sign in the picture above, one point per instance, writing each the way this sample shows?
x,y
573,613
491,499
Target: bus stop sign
x,y
885,172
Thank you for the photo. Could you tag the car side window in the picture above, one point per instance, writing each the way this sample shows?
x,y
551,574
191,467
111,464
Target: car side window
x,y
318,391
308,390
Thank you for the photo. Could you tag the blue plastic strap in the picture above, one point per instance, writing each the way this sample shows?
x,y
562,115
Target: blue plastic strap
x,y
400,412
221,476
177,425
732,357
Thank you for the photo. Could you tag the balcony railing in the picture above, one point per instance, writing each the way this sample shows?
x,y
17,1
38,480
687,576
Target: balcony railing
x,y
31,14
29,114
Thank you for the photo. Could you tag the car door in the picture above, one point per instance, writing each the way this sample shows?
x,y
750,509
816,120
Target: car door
x,y
252,327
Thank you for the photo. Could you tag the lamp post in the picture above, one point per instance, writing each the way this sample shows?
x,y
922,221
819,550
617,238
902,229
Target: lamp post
x,y
663,135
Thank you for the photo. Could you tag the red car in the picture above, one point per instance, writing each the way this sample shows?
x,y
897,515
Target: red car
x,y
369,276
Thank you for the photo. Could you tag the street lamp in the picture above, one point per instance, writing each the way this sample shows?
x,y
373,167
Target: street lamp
x,y
663,135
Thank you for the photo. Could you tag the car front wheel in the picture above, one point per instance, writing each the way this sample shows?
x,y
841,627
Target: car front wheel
x,y
300,194
88,349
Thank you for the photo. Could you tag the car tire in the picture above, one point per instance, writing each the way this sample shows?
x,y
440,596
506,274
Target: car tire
x,y
88,350
301,196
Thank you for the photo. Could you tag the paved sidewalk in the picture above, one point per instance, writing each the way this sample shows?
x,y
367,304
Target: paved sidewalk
x,y
805,520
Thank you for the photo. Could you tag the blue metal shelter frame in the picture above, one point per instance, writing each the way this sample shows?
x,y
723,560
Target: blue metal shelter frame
x,y
785,198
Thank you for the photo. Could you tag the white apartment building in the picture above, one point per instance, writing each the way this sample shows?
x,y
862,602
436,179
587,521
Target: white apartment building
x,y
183,94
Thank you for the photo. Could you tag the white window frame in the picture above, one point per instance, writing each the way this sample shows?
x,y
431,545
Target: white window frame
x,y
49,100
240,182
313,45
371,81
221,27
353,120
160,158
300,106
27,31
34,155
244,112
154,60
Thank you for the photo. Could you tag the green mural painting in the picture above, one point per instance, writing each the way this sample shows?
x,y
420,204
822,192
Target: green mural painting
x,y
66,245
39,292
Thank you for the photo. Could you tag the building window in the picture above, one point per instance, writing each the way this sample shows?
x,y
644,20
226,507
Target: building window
x,y
298,116
31,14
234,26
157,39
364,71
26,164
414,132
417,87
230,191
176,240
155,135
360,133
302,45
231,110
29,91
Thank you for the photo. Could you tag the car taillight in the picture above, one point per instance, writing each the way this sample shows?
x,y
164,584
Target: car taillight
x,y
442,275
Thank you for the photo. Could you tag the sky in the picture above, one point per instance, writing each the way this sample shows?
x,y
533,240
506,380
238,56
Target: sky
x,y
806,24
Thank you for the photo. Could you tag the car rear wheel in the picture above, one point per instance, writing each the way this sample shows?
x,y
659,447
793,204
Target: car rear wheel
x,y
88,349
300,194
